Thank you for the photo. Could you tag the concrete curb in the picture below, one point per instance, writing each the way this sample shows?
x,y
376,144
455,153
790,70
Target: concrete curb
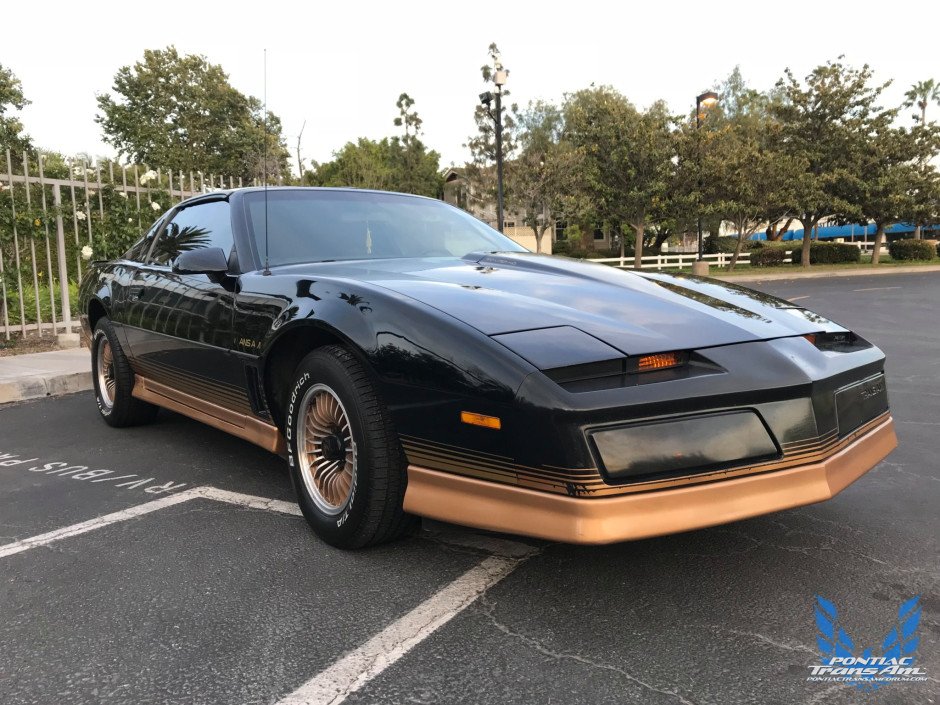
x,y
42,386
780,276
47,374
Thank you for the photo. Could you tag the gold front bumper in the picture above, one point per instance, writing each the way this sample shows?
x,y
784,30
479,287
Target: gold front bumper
x,y
499,507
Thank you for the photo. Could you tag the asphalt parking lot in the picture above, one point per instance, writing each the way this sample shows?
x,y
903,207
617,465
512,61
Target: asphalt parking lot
x,y
140,585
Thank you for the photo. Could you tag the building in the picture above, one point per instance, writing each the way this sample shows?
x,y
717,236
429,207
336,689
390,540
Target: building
x,y
459,191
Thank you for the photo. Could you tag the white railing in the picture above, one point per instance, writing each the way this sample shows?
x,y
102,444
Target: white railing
x,y
45,222
684,260
677,260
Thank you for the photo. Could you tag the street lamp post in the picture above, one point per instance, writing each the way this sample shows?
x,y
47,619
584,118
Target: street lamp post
x,y
500,74
705,100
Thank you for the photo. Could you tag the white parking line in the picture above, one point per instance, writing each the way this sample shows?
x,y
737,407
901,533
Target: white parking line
x,y
334,684
243,500
250,501
96,523
357,667
877,288
797,298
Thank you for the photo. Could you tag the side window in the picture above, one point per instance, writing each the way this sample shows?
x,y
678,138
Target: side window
x,y
202,225
142,246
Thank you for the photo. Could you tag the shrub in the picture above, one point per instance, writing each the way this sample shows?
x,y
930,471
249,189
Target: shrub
x,y
911,250
830,253
567,248
765,244
768,256
561,247
726,244
713,245
29,302
938,249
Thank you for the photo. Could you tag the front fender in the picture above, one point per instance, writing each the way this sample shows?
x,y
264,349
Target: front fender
x,y
404,342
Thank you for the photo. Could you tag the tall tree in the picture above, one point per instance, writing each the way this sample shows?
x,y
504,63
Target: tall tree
x,y
922,94
743,177
900,182
886,190
400,163
629,157
12,98
539,178
825,122
749,182
179,111
362,164
416,168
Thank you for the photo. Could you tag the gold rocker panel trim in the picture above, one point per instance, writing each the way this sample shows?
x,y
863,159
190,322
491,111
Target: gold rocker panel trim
x,y
500,507
250,429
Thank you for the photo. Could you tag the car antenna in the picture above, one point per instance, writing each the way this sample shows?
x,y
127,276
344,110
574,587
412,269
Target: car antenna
x,y
264,166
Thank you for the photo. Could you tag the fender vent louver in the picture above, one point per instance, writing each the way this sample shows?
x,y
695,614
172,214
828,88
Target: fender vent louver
x,y
256,393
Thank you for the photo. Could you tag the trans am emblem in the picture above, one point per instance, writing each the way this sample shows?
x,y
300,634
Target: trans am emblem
x,y
866,671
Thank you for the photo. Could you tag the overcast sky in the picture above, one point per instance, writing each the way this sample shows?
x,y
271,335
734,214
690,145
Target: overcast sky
x,y
341,65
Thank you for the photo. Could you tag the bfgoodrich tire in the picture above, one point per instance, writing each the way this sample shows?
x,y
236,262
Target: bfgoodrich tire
x,y
114,379
346,461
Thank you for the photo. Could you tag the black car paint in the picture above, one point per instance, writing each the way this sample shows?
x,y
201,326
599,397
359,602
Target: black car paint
x,y
425,328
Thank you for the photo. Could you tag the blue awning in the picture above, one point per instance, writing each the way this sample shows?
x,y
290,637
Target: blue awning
x,y
853,230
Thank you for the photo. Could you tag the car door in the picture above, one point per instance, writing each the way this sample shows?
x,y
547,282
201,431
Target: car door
x,y
179,326
123,279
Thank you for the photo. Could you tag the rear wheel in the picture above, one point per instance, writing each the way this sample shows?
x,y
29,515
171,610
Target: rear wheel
x,y
114,380
345,458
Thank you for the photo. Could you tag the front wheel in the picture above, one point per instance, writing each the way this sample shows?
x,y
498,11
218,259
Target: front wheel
x,y
345,458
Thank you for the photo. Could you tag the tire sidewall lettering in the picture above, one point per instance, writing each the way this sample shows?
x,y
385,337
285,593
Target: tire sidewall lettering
x,y
349,505
296,393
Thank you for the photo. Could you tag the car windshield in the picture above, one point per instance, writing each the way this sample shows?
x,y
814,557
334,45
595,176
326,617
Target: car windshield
x,y
326,225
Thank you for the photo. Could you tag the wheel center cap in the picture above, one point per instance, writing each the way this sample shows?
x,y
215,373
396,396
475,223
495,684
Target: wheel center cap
x,y
333,447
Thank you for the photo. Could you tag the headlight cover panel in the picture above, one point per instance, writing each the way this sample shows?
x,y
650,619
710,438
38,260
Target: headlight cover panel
x,y
684,445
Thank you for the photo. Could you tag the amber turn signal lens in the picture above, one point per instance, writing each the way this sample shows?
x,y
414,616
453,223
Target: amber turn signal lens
x,y
481,420
811,337
659,361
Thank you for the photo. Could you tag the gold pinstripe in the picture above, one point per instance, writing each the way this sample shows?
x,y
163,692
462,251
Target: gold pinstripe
x,y
223,395
588,482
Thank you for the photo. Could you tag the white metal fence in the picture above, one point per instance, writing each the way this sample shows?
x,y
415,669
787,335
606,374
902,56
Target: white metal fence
x,y
684,260
51,209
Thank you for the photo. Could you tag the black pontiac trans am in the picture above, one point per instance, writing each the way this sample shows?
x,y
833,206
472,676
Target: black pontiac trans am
x,y
410,361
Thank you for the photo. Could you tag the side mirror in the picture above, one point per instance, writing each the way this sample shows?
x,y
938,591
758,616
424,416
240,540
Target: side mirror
x,y
205,260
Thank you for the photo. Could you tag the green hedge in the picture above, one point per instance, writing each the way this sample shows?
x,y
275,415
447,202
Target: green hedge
x,y
767,244
911,250
713,245
29,302
768,256
565,249
829,253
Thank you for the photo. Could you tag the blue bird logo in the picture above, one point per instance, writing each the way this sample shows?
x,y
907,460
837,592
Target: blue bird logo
x,y
866,670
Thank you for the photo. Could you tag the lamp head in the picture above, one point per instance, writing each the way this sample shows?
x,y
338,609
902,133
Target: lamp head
x,y
707,99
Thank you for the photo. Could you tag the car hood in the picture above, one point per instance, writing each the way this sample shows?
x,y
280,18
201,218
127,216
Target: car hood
x,y
636,313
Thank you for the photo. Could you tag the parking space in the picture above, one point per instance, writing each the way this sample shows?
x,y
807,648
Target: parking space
x,y
202,600
167,564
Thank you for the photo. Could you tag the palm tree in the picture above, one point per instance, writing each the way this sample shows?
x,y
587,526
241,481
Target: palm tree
x,y
921,94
